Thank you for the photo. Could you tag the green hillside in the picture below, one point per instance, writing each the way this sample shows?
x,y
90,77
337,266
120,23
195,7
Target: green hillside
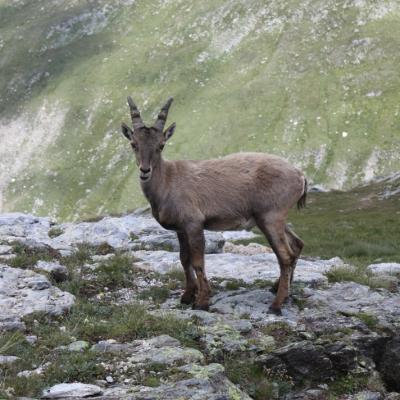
x,y
316,81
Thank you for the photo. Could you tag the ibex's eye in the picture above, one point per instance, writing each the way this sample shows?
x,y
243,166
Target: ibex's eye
x,y
134,146
161,146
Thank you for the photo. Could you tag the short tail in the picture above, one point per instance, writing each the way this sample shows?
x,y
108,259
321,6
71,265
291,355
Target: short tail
x,y
302,201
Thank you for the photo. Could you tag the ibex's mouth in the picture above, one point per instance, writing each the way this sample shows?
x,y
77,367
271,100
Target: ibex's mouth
x,y
145,178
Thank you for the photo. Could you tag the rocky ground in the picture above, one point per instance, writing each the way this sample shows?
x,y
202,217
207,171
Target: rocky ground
x,y
92,309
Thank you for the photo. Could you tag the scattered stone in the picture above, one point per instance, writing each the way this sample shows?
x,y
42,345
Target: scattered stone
x,y
23,292
38,371
6,360
31,339
109,379
78,346
57,271
67,390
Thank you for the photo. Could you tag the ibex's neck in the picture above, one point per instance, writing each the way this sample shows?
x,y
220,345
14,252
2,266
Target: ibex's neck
x,y
154,190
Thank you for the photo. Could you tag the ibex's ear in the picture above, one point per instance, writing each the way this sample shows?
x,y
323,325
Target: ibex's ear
x,y
169,131
126,131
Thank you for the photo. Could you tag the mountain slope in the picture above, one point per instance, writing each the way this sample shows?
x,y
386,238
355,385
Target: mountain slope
x,y
315,81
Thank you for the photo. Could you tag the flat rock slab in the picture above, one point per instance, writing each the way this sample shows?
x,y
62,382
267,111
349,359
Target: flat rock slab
x,y
134,231
254,304
351,298
23,292
248,268
71,390
385,268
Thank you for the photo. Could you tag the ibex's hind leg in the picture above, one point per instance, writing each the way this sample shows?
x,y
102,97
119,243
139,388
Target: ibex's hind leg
x,y
189,294
274,230
196,245
296,244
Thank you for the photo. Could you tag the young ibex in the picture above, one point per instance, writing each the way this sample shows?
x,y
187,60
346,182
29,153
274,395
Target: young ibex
x,y
237,191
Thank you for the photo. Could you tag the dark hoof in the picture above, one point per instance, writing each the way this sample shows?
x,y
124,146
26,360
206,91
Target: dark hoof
x,y
188,298
275,310
204,307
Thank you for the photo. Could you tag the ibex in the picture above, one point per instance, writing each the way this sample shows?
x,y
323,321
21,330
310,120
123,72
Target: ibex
x,y
237,191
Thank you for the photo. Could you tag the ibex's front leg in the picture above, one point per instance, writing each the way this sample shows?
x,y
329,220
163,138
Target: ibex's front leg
x,y
189,294
196,245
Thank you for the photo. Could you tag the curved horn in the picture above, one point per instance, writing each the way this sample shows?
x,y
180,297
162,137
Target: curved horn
x,y
163,114
135,115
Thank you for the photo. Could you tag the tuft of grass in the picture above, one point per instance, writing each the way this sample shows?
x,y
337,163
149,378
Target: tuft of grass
x,y
116,272
156,294
94,321
370,320
27,257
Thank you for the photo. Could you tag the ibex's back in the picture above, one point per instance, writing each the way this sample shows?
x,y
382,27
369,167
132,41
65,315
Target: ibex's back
x,y
236,191
228,192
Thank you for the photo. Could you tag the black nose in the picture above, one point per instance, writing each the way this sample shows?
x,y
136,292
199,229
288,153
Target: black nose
x,y
145,171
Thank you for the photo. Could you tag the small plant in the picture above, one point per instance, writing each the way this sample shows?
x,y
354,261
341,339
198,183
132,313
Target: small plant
x,y
259,382
235,284
348,384
55,231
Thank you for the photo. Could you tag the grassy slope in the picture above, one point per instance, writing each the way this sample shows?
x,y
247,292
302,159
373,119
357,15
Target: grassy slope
x,y
284,77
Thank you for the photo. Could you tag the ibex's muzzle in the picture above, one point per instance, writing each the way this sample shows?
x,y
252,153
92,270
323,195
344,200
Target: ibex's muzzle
x,y
145,173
